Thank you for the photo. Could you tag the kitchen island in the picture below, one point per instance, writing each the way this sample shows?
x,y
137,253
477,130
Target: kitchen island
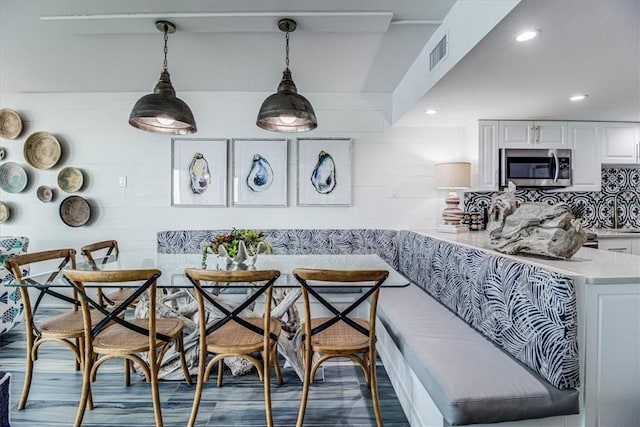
x,y
607,287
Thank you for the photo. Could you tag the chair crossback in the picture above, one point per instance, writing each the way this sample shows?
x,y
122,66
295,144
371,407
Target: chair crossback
x,y
304,275
77,279
196,276
66,258
89,253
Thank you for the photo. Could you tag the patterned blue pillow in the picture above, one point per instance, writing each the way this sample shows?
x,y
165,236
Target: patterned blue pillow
x,y
5,398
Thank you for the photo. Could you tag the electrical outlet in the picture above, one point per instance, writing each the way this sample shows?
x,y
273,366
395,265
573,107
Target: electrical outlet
x,y
122,181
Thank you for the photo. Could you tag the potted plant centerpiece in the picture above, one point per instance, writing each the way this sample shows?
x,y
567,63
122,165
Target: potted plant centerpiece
x,y
239,246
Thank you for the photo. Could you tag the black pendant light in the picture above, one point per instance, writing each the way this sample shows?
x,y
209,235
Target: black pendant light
x,y
161,111
286,110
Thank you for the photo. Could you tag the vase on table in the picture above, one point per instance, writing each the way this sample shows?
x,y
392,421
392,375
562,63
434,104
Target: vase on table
x,y
243,257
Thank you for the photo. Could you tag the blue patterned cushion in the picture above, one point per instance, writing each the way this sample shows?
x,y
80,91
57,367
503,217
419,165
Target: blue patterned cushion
x,y
5,398
10,300
296,241
528,311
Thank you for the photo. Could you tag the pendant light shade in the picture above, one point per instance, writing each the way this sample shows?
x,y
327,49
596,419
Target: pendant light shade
x,y
161,111
286,110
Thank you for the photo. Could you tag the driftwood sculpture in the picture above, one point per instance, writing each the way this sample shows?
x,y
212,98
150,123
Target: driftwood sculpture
x,y
533,228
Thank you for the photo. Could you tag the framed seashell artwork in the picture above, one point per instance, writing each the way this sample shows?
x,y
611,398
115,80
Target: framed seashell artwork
x,y
324,171
199,172
259,172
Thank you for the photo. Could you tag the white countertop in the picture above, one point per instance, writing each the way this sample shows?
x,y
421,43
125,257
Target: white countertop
x,y
597,266
609,233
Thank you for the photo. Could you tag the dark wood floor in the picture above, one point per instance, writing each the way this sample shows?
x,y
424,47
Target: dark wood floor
x,y
342,399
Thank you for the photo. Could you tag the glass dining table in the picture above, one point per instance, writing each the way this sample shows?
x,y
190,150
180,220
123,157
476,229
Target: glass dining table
x,y
178,301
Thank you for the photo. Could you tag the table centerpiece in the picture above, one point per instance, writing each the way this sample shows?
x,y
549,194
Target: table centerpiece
x,y
239,247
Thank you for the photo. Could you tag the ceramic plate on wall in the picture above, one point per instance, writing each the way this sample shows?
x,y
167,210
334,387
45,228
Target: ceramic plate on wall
x,y
13,177
5,212
75,211
45,194
70,180
42,150
10,124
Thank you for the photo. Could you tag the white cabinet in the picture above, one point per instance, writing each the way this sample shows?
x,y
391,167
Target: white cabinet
x,y
625,245
488,155
530,134
584,141
621,143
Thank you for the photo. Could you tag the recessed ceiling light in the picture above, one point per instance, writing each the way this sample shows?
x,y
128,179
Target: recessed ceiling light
x,y
527,35
578,97
431,111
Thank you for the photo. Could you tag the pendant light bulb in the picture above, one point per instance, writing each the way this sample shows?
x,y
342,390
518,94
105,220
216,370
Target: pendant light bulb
x,y
286,110
162,111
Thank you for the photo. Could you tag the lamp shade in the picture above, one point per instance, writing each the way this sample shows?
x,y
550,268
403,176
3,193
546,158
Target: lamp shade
x,y
162,111
286,110
453,175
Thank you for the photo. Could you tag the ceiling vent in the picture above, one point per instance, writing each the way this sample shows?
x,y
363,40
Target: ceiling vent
x,y
438,53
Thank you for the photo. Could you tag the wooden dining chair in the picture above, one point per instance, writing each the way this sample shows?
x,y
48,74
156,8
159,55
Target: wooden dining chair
x,y
235,334
66,329
126,338
340,335
100,253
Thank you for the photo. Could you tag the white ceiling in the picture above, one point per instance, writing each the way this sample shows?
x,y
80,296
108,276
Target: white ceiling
x,y
234,45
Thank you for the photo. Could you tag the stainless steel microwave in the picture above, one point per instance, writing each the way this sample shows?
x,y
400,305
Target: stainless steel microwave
x,y
535,167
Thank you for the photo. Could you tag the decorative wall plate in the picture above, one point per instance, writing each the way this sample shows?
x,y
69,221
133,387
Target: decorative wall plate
x,y
44,193
13,177
75,211
5,212
2,153
10,124
42,150
70,179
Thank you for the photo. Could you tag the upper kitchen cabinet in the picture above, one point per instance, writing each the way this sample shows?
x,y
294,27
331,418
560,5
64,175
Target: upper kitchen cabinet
x,y
533,134
621,143
488,155
584,141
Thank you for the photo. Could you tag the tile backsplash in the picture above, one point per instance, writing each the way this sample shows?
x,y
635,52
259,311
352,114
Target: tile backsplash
x,y
594,207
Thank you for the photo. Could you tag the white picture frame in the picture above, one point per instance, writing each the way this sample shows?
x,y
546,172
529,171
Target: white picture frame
x,y
209,190
259,172
323,189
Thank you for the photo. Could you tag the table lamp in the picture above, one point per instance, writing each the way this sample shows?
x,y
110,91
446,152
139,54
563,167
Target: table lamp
x,y
453,176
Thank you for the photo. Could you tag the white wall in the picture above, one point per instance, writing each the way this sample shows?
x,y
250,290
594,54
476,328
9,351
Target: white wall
x,y
96,137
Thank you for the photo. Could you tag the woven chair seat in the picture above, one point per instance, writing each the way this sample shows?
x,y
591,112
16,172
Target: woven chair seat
x,y
119,339
339,337
120,295
68,325
234,337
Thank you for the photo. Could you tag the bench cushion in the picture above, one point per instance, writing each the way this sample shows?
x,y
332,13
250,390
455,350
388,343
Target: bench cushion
x,y
527,310
469,379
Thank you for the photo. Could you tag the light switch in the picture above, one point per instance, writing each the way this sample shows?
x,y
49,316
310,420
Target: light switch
x,y
123,181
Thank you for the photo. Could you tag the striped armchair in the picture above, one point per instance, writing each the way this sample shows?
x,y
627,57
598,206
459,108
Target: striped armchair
x,y
10,301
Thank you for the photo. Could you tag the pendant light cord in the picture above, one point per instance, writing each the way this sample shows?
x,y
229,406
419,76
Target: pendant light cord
x,y
166,40
287,49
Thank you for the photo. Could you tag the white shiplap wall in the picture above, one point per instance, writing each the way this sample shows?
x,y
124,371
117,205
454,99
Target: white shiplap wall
x,y
96,137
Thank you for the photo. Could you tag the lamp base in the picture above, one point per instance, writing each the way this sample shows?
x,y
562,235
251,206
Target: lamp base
x,y
444,228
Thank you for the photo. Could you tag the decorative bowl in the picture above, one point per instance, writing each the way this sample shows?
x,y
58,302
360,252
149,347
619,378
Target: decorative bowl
x,y
10,124
42,150
13,177
75,211
5,212
44,193
70,179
